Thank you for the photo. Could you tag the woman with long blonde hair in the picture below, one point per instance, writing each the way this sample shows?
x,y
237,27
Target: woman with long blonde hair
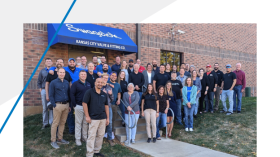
x,y
172,104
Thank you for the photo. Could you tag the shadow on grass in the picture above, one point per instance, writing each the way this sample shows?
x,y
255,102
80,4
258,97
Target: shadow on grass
x,y
37,143
235,134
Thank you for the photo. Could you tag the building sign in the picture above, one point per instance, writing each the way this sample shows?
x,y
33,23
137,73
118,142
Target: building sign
x,y
92,35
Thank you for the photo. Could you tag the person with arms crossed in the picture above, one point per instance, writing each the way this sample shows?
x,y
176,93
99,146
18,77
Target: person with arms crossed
x,y
59,93
160,78
204,89
189,93
77,92
228,83
238,88
96,110
177,88
47,115
217,93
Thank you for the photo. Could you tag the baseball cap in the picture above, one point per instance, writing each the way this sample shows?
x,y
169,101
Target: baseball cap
x,y
131,60
208,66
71,59
228,66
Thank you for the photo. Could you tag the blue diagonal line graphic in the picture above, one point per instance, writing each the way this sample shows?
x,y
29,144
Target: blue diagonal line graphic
x,y
15,105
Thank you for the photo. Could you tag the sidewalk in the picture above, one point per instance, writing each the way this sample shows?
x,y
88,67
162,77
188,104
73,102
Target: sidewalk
x,y
173,148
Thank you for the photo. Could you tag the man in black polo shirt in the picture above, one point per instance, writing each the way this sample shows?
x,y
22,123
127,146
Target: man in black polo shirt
x,y
160,78
77,92
59,96
96,110
212,84
217,93
177,88
229,80
91,76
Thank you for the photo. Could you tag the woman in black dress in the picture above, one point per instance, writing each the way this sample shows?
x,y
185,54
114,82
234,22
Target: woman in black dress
x,y
204,89
172,104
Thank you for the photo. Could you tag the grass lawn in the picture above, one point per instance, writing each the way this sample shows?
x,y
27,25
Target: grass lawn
x,y
234,134
37,143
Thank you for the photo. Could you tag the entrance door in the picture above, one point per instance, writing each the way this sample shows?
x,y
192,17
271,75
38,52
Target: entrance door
x,y
75,51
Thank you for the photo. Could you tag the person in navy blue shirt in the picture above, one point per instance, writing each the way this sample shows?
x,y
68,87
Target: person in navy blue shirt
x,y
100,66
117,66
77,93
155,67
59,96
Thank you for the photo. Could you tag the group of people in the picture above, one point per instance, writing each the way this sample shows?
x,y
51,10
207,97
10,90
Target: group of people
x,y
94,91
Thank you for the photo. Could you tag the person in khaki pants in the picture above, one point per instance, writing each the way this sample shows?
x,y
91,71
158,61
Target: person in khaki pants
x,y
59,96
150,110
96,110
77,92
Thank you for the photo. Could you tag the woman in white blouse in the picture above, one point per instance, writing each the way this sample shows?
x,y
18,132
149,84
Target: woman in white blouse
x,y
148,76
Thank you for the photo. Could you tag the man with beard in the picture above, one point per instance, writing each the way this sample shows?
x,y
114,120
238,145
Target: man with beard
x,y
217,93
84,63
212,84
114,104
104,70
155,67
95,62
130,66
99,68
91,76
47,116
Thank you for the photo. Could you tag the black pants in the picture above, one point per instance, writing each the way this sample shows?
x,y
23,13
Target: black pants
x,y
201,101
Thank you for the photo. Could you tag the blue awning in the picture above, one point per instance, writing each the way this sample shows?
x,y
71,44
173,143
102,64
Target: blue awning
x,y
91,35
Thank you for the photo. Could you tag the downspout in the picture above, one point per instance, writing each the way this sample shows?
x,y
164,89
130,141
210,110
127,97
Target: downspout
x,y
138,40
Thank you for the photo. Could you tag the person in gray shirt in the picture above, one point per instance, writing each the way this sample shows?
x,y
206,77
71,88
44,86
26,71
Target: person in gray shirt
x,y
47,117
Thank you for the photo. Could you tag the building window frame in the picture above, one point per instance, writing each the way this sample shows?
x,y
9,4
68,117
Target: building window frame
x,y
171,58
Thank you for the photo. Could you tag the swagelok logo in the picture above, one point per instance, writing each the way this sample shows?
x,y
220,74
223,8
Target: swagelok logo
x,y
100,34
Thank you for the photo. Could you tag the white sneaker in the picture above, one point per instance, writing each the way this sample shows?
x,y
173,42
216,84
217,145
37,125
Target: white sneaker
x,y
187,129
191,129
78,142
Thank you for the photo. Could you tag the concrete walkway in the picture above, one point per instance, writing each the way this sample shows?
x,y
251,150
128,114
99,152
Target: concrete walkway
x,y
174,148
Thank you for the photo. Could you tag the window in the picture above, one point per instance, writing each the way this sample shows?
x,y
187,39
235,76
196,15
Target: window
x,y
173,58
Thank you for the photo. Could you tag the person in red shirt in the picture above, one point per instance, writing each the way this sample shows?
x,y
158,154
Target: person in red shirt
x,y
239,87
95,61
141,68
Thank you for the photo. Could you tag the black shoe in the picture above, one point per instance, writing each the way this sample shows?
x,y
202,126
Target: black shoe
x,y
72,133
149,140
123,124
43,127
154,140
238,112
195,116
98,154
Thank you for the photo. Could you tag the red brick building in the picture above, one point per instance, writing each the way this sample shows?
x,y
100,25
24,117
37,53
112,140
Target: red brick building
x,y
201,44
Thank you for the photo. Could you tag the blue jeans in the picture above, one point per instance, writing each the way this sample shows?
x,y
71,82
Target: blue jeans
x,y
140,96
196,106
71,121
188,114
133,130
237,91
209,98
229,94
122,108
162,118
109,127
179,105
47,115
